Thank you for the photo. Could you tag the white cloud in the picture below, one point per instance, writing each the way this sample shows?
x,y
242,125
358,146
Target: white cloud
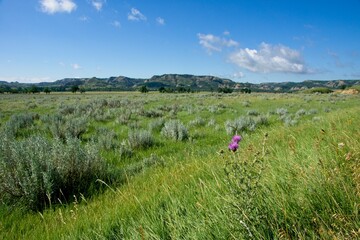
x,y
213,43
116,24
75,66
54,6
269,58
160,21
98,4
84,18
136,15
238,75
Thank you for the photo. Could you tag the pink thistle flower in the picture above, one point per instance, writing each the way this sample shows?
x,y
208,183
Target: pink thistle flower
x,y
233,146
236,138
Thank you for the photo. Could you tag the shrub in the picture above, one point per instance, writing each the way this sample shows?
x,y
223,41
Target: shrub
x,y
175,130
197,122
140,139
246,104
300,112
68,127
289,120
156,125
262,120
105,138
125,151
319,90
312,111
281,111
36,172
253,113
239,125
124,117
212,122
18,122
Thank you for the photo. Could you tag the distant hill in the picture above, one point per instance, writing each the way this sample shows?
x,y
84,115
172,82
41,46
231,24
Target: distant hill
x,y
174,81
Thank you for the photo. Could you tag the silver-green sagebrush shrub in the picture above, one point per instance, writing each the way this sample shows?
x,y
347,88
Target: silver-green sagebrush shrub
x,y
175,130
253,113
106,138
17,122
37,172
239,125
300,112
197,122
156,125
66,127
140,139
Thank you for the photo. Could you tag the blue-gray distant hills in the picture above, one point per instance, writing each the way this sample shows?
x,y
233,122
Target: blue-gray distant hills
x,y
174,82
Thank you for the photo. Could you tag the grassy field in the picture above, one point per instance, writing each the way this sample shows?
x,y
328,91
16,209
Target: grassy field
x,y
157,166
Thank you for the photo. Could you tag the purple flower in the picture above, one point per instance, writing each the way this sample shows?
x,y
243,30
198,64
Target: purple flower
x,y
236,138
233,146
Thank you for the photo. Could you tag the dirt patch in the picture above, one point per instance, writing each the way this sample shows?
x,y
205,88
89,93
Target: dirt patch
x,y
350,91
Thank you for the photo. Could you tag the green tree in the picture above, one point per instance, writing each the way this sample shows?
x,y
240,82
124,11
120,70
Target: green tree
x,y
246,90
74,88
144,89
47,90
162,89
34,89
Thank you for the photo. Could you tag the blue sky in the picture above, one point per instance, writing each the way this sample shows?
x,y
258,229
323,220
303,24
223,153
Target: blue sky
x,y
247,41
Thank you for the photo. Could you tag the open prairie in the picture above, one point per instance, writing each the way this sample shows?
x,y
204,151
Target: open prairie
x,y
158,166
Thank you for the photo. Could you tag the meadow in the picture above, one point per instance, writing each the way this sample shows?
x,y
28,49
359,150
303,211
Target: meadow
x,y
128,165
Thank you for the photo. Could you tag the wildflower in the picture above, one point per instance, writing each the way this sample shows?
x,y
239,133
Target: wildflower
x,y
233,146
341,145
236,138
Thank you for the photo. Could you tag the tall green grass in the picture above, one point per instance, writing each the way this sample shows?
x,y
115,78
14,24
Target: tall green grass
x,y
302,182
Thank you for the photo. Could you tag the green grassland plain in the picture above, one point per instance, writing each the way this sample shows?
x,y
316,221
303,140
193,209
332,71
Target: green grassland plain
x,y
295,175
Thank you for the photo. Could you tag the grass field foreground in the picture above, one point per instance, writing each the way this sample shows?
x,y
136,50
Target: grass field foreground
x,y
296,173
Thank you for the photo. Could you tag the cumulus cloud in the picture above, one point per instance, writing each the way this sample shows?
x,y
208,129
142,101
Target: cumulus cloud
x,y
238,75
213,43
75,66
84,18
269,58
160,21
55,6
116,24
136,15
98,4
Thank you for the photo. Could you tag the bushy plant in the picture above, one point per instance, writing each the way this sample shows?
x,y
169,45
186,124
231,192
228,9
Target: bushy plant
x,y
125,150
300,112
18,122
197,122
262,120
124,117
281,111
252,113
66,127
246,104
240,125
156,125
105,138
312,111
37,172
175,130
140,139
